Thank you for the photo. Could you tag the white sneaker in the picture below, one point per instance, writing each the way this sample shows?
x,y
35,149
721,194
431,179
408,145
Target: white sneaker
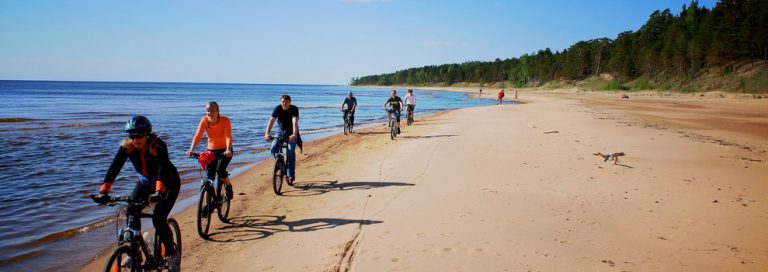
x,y
126,262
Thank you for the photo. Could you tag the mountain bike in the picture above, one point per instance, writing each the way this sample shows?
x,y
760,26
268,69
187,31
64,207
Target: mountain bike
x,y
348,123
409,115
393,127
280,171
210,199
133,252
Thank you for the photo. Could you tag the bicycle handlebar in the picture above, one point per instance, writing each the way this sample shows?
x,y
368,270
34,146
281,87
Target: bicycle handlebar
x,y
114,200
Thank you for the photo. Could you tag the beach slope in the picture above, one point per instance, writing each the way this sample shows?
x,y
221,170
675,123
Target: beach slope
x,y
512,187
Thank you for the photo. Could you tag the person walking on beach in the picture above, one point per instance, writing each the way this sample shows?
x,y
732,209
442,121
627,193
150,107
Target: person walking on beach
x,y
500,97
287,117
395,103
410,101
218,129
348,106
158,179
515,94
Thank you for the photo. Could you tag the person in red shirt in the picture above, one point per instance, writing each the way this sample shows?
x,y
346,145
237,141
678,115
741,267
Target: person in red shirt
x,y
500,97
218,129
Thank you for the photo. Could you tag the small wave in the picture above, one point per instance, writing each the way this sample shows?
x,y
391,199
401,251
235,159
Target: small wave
x,y
18,258
19,143
69,233
15,120
319,130
318,107
78,125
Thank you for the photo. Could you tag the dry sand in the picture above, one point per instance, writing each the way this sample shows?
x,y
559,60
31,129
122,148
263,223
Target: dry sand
x,y
515,188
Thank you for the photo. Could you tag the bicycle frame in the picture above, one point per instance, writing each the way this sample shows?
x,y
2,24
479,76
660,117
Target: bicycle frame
x,y
133,237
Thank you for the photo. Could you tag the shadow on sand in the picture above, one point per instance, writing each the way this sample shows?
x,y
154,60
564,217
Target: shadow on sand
x,y
309,188
428,136
248,228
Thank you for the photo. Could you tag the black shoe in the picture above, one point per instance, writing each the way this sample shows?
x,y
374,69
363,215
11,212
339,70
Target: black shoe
x,y
398,130
228,188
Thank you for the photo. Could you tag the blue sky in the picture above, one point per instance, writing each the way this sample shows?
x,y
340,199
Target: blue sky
x,y
307,42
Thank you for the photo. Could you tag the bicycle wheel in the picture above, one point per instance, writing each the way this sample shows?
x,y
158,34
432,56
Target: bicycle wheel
x,y
278,175
223,207
392,130
346,127
204,212
159,247
410,118
123,259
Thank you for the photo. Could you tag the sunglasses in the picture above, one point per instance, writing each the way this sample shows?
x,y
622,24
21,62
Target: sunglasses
x,y
136,135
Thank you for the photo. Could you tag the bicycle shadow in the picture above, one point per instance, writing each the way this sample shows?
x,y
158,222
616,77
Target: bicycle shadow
x,y
310,188
249,228
429,136
371,132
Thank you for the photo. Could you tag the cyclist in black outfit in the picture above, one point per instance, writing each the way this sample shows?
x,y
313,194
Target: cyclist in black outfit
x,y
348,106
158,179
396,103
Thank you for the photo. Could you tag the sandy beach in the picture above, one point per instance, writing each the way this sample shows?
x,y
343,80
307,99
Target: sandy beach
x,y
514,188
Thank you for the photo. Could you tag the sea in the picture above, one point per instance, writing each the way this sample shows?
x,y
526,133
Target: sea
x,y
59,138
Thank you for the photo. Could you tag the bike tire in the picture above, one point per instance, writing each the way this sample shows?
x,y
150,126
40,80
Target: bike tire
x,y
224,208
346,128
278,175
159,249
114,263
204,212
392,131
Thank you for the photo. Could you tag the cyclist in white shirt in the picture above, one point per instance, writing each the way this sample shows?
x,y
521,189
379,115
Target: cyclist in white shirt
x,y
410,101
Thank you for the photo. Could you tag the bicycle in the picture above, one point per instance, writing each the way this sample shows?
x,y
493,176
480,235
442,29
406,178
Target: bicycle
x,y
393,127
132,252
210,199
279,174
409,115
348,123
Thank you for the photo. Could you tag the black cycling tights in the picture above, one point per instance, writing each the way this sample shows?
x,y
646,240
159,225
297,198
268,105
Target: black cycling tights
x,y
160,214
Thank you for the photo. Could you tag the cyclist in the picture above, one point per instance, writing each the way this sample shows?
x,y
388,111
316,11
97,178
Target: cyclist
x,y
395,102
158,179
287,116
500,97
348,106
410,101
218,129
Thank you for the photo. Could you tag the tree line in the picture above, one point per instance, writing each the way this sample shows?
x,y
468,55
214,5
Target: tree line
x,y
667,47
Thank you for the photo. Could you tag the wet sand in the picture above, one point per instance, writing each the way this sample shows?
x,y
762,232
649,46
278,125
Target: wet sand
x,y
517,188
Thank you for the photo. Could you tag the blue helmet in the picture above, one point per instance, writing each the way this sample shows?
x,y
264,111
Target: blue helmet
x,y
138,123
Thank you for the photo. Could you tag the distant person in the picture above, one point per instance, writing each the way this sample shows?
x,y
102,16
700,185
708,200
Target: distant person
x,y
348,106
500,97
218,130
395,104
158,180
481,91
515,94
410,101
287,117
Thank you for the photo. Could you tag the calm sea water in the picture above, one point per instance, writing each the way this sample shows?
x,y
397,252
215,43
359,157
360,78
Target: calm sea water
x,y
59,139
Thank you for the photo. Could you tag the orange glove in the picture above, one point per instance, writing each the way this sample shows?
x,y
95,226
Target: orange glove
x,y
105,188
159,186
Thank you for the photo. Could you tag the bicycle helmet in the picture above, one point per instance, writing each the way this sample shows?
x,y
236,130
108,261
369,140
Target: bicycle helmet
x,y
138,123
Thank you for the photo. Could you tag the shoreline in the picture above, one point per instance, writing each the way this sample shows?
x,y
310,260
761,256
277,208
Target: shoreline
x,y
186,206
412,204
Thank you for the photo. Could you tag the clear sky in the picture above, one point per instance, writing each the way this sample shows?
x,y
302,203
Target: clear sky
x,y
291,41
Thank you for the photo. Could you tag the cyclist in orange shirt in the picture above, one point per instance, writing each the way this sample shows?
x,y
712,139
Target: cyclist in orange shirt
x,y
218,129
